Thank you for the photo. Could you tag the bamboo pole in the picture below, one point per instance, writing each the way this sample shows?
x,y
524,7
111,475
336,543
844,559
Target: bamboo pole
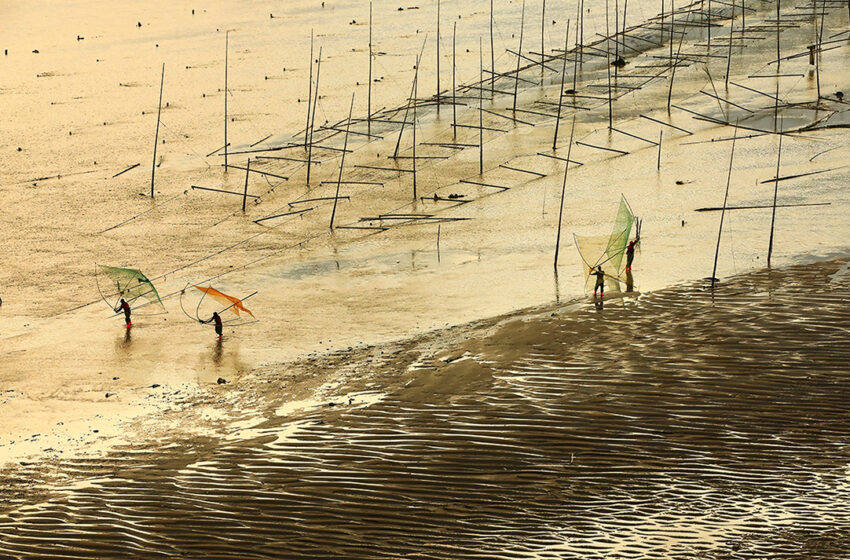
x,y
313,116
369,89
563,193
481,110
342,160
438,62
561,92
542,34
454,85
608,67
492,56
245,193
226,49
723,212
519,52
415,97
729,56
581,39
309,94
775,193
616,36
156,137
660,137
575,63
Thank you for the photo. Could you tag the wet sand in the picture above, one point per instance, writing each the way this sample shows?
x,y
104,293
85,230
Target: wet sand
x,y
685,423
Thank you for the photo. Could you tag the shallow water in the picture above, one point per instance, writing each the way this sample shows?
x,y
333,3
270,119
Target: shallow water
x,y
682,424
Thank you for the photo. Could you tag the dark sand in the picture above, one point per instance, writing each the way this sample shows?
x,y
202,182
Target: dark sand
x,y
683,424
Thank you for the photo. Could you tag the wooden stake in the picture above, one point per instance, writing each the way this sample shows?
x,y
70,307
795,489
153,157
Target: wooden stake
x,y
309,94
156,137
723,212
561,93
775,193
563,194
519,52
342,159
245,194
313,117
226,49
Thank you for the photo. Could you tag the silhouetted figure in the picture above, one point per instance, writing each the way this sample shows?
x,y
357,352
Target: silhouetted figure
x,y
125,307
600,282
217,320
630,252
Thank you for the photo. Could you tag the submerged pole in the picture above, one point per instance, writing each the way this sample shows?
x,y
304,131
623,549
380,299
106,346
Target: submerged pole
x,y
563,194
313,117
775,193
156,137
342,159
723,211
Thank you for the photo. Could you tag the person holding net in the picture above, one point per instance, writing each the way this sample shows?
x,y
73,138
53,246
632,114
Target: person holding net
x,y
217,320
600,281
125,307
630,252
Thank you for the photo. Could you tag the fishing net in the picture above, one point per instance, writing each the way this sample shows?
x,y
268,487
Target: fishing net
x,y
232,303
130,284
607,251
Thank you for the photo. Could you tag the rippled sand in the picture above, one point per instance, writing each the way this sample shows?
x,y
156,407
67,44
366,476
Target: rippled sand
x,y
683,424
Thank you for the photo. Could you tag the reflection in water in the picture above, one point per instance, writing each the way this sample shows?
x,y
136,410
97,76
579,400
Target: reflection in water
x,y
217,352
123,343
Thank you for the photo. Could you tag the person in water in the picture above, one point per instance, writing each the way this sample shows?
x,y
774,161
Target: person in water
x,y
600,281
630,252
125,307
217,320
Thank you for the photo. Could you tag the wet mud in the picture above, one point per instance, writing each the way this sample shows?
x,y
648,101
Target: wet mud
x,y
686,423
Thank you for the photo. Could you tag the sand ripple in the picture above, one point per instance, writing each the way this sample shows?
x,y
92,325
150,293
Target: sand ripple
x,y
684,424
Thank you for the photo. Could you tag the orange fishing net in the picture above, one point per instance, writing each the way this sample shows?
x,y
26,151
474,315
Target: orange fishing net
x,y
235,304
